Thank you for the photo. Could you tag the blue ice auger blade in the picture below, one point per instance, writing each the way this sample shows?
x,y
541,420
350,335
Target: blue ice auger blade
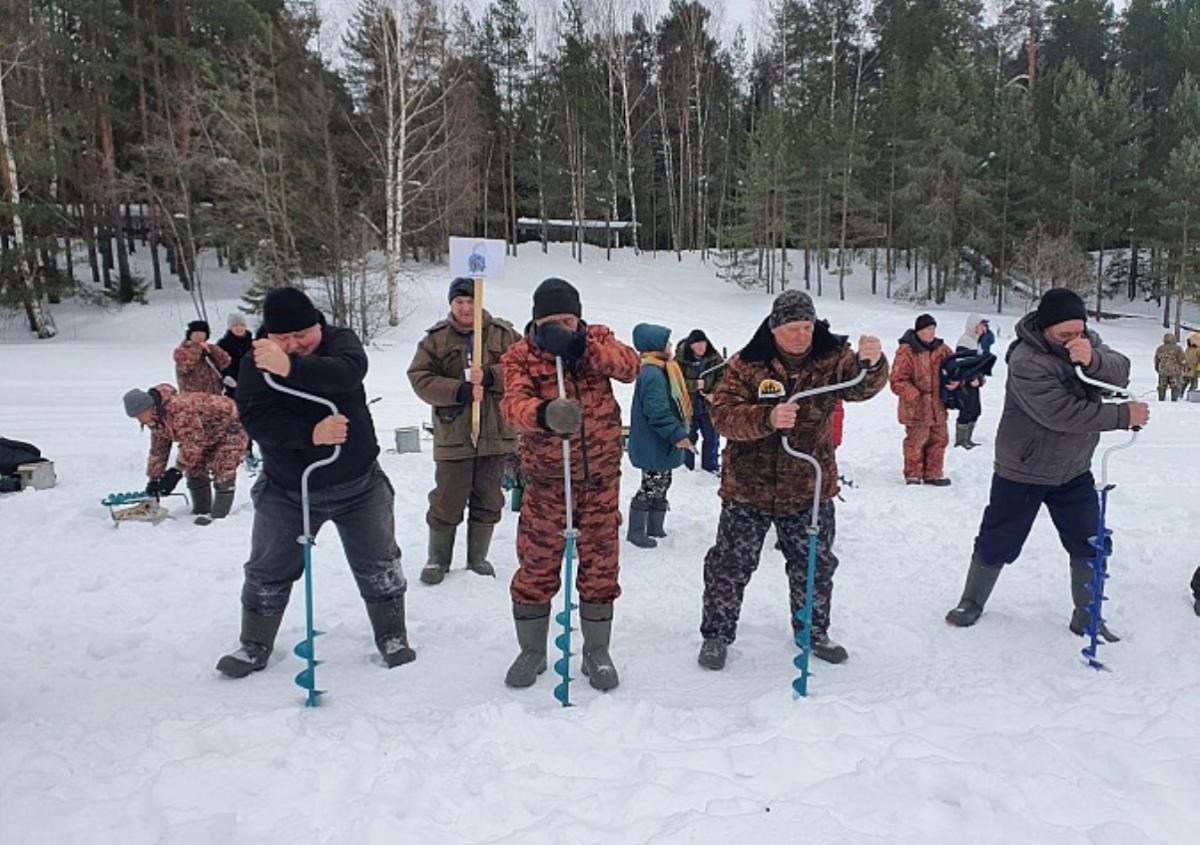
x,y
804,616
1101,543
563,642
304,648
563,666
563,693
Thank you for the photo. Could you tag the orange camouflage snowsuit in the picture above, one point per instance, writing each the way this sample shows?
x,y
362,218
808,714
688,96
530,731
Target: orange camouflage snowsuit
x,y
917,379
530,381
198,367
206,427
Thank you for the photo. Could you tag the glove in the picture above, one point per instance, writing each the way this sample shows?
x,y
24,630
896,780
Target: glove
x,y
230,382
463,395
564,416
165,483
560,341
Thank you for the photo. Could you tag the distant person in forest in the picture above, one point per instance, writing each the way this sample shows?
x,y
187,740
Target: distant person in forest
x,y
1170,363
198,363
967,368
1192,356
237,341
917,379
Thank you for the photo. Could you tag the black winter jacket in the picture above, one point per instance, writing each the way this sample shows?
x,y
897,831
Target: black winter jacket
x,y
282,425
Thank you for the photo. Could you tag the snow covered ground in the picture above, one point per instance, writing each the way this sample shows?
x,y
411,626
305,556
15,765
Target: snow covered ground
x,y
114,726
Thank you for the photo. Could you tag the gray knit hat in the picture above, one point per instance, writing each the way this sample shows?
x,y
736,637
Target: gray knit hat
x,y
792,306
234,319
137,401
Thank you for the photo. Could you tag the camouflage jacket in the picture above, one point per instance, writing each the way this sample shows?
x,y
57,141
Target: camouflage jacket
x,y
200,423
1193,354
530,382
1169,360
437,372
917,380
755,469
198,367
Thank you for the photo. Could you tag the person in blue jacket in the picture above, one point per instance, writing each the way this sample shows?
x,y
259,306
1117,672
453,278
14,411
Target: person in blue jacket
x,y
658,431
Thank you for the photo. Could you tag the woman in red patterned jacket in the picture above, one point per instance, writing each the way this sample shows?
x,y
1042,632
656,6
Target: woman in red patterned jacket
x,y
590,419
917,378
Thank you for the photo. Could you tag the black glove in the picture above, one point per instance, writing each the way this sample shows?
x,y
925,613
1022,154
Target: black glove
x,y
165,482
564,416
464,395
560,341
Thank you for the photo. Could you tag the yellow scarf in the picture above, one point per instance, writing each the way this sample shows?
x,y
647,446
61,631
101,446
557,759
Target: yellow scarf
x,y
679,391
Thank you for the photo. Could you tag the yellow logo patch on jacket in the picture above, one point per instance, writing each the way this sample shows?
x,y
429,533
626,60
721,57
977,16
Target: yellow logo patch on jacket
x,y
769,388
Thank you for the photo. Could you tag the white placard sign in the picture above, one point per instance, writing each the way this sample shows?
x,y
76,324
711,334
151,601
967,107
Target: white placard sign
x,y
478,258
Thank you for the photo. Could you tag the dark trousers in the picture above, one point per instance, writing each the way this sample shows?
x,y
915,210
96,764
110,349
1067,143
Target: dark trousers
x,y
970,407
1013,506
733,559
362,510
1196,583
472,484
656,483
702,424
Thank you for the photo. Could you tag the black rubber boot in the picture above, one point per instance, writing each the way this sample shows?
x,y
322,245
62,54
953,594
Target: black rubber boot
x,y
479,540
533,624
441,551
981,578
222,500
202,497
595,621
391,635
938,482
639,520
826,649
258,639
658,515
712,655
971,444
1081,597
962,435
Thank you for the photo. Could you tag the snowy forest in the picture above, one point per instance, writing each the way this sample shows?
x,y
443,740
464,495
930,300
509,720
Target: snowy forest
x,y
954,147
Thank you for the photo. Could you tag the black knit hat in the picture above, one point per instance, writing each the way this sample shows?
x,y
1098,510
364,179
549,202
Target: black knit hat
x,y
556,296
1059,305
924,321
695,337
462,286
198,326
288,310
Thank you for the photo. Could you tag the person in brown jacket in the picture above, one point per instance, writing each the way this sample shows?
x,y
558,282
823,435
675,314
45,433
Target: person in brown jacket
x,y
762,485
467,474
917,380
198,363
590,419
211,445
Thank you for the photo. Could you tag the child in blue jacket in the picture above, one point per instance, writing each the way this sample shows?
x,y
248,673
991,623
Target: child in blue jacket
x,y
658,431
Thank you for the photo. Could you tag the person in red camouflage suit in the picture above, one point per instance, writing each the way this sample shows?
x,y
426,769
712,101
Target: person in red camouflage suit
x,y
591,419
211,444
916,378
198,363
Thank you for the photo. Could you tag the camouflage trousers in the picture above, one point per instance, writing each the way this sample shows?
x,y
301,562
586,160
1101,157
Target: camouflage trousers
x,y
730,563
540,540
925,450
221,464
1174,384
655,484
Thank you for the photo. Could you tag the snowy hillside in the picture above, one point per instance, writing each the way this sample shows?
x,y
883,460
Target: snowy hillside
x,y
115,728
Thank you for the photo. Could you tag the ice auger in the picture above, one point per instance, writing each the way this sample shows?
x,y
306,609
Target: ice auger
x,y
305,650
804,614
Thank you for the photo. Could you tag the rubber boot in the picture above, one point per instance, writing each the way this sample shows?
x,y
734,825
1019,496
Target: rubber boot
x,y
258,639
654,523
981,578
533,624
639,519
479,540
826,649
962,435
712,654
595,621
1081,597
391,635
222,499
202,498
441,550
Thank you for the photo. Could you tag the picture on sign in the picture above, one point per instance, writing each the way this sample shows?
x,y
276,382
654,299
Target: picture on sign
x,y
479,258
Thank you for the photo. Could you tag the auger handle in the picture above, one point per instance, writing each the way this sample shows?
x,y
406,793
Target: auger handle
x,y
1123,392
